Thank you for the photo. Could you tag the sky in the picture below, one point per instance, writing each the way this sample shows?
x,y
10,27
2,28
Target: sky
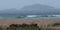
x,y
8,4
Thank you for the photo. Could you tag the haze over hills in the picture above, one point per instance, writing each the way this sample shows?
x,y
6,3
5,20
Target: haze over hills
x,y
32,9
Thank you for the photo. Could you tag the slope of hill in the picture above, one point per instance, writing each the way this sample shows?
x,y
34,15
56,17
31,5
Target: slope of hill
x,y
32,9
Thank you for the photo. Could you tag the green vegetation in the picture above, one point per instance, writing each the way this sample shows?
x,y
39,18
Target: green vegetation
x,y
1,28
28,27
48,29
56,24
23,28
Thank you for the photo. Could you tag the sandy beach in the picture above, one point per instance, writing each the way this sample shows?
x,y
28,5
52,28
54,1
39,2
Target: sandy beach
x,y
44,23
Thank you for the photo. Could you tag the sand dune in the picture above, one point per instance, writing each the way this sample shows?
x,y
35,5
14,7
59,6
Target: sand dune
x,y
43,23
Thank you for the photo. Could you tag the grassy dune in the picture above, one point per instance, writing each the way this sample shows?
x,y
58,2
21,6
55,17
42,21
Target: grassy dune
x,y
30,27
22,24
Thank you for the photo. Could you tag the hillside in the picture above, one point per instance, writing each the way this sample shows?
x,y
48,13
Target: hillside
x,y
32,9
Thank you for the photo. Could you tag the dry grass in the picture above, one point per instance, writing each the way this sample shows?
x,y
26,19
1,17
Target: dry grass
x,y
43,24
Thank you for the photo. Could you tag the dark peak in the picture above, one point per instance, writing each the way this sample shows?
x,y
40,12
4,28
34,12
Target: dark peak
x,y
38,6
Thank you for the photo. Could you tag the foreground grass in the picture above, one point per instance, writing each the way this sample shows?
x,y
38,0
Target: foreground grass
x,y
23,28
56,24
27,28
32,27
1,28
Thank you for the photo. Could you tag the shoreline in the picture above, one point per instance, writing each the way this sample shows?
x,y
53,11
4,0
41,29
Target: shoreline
x,y
33,19
28,20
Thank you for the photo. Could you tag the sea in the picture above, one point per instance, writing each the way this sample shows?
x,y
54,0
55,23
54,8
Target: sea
x,y
29,16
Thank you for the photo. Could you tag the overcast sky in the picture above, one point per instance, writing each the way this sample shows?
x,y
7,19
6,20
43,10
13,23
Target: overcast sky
x,y
7,4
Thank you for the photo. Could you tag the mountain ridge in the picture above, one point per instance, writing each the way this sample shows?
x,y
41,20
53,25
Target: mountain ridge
x,y
32,9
